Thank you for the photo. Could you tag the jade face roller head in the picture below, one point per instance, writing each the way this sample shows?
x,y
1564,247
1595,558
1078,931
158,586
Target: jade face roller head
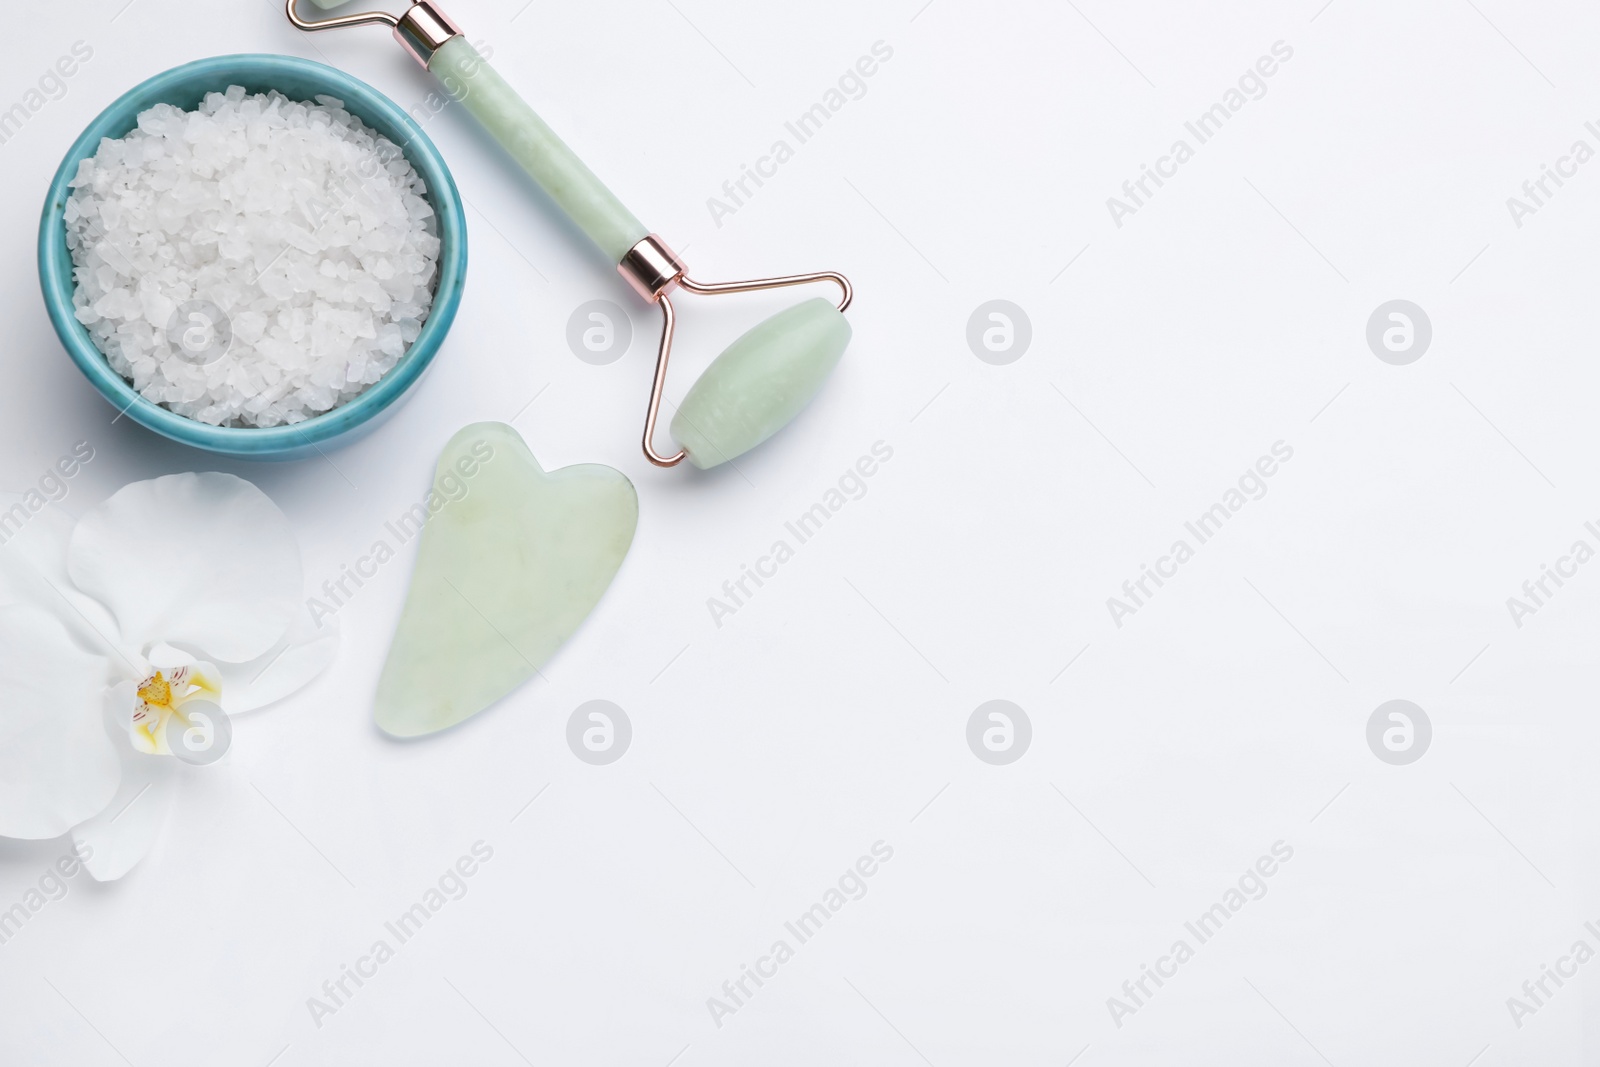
x,y
763,380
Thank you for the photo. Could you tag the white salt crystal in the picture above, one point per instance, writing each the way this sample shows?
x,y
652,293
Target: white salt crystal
x,y
305,231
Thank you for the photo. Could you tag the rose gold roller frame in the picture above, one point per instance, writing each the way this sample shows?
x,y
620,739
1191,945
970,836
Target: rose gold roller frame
x,y
651,268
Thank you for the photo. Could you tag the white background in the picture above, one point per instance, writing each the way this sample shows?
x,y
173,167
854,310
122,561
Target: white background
x,y
830,712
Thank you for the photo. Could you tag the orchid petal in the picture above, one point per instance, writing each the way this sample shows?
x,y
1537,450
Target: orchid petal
x,y
33,569
203,560
120,836
58,766
196,680
305,652
163,657
37,533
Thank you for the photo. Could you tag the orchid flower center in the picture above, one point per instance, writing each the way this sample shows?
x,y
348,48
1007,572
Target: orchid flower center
x,y
160,698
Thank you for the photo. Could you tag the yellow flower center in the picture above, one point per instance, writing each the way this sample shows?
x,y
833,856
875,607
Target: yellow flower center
x,y
162,696
155,690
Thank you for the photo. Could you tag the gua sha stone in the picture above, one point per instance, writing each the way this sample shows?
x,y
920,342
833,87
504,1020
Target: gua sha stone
x,y
504,575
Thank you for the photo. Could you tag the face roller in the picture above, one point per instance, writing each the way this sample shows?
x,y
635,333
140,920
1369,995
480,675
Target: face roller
x,y
752,389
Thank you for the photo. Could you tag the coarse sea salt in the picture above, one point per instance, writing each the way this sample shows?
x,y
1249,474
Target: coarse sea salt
x,y
254,262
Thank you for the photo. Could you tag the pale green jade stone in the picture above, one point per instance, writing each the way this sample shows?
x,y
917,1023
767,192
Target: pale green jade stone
x,y
468,78
506,571
760,382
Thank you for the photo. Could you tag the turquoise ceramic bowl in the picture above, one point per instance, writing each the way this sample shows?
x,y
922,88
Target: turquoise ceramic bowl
x,y
298,79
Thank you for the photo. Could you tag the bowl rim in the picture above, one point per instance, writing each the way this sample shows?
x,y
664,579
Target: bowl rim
x,y
364,101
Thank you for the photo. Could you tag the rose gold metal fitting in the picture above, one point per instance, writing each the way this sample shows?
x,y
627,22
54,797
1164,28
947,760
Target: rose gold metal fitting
x,y
422,30
654,270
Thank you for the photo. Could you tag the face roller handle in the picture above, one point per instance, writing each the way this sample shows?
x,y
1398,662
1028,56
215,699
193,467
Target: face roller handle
x,y
754,388
437,43
472,82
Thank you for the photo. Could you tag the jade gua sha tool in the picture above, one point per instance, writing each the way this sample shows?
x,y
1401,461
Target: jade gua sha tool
x,y
761,381
506,571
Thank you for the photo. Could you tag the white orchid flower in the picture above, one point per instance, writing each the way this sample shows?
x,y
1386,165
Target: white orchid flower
x,y
176,593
